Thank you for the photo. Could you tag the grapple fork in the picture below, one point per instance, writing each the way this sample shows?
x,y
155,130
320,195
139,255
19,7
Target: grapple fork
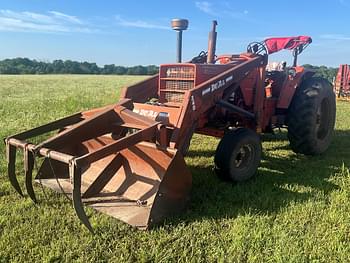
x,y
109,159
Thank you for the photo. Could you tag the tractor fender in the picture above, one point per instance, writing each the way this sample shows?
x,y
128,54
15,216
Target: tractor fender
x,y
292,82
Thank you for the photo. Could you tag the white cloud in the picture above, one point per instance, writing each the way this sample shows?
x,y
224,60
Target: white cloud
x,y
52,22
335,37
344,3
206,7
68,18
139,23
221,9
13,24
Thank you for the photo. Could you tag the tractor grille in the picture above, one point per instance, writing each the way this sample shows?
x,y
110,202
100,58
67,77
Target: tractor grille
x,y
180,72
174,97
178,84
175,81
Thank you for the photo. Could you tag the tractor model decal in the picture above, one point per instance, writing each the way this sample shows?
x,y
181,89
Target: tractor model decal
x,y
217,85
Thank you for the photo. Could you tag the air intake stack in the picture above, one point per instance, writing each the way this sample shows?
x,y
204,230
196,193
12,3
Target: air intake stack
x,y
212,44
179,25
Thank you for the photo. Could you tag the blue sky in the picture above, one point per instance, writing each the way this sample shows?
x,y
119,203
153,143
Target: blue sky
x,y
137,32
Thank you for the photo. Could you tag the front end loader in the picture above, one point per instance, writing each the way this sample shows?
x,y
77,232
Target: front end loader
x,y
127,159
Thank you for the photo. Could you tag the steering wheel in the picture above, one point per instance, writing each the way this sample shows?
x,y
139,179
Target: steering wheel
x,y
257,48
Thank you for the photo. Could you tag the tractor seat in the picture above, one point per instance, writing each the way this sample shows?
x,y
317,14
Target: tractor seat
x,y
277,72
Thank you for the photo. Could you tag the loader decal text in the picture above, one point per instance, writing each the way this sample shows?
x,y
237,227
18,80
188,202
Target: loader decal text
x,y
147,113
229,78
205,91
217,85
193,103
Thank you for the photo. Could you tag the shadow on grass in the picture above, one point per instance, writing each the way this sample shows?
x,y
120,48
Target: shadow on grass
x,y
4,193
280,181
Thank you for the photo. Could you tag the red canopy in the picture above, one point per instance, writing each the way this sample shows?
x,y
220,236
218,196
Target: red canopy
x,y
276,44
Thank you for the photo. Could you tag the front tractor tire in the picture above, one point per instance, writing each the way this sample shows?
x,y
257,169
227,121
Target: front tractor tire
x,y
311,117
238,155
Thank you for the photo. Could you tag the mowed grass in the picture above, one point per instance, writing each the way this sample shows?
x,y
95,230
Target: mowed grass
x,y
297,208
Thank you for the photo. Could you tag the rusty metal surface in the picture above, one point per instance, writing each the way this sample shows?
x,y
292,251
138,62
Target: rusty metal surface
x,y
96,168
342,83
11,167
28,161
126,184
212,44
179,25
290,87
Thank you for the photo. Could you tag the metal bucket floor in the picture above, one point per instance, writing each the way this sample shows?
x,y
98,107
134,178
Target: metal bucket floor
x,y
113,205
139,185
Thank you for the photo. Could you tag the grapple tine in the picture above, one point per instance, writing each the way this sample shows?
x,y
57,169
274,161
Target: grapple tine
x,y
75,174
28,170
11,166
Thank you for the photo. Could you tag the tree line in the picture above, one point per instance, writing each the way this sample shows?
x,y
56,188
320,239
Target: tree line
x,y
328,73
29,66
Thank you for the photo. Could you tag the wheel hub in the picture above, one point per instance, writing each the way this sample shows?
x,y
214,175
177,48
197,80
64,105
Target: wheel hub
x,y
244,156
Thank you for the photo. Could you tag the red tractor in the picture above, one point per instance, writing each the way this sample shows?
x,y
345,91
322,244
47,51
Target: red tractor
x,y
342,82
126,159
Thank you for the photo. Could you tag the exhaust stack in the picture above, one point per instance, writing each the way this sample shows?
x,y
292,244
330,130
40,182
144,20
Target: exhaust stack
x,y
179,25
212,44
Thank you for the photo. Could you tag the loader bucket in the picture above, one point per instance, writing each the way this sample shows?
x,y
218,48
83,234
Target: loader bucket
x,y
139,185
125,175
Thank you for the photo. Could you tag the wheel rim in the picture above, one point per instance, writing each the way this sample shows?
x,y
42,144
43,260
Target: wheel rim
x,y
323,119
244,156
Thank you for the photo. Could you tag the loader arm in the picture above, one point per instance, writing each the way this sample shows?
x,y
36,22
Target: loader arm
x,y
141,91
186,106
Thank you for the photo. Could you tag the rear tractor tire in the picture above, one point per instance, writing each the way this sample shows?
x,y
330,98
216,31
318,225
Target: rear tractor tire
x,y
311,117
238,155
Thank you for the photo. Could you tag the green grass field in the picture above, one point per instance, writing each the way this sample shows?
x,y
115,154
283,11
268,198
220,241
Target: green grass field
x,y
297,208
